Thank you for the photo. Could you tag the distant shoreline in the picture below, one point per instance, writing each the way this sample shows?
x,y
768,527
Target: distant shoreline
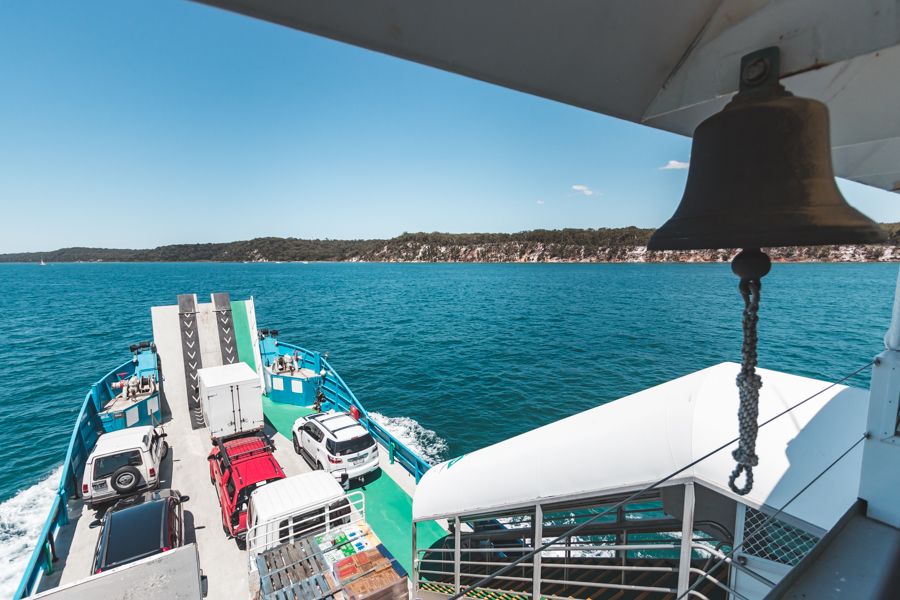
x,y
571,246
893,260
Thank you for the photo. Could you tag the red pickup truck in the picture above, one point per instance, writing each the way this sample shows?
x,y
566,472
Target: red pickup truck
x,y
237,467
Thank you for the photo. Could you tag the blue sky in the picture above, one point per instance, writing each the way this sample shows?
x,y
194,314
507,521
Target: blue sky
x,y
131,123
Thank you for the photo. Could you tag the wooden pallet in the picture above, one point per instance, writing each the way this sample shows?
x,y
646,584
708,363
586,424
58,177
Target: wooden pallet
x,y
293,566
318,587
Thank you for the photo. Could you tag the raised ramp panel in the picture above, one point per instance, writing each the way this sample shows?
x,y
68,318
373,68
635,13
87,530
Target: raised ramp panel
x,y
190,350
225,326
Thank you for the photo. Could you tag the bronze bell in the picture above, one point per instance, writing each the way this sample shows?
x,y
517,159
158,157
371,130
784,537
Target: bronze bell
x,y
761,174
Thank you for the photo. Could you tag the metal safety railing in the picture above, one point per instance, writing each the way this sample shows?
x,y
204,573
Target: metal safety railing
x,y
556,575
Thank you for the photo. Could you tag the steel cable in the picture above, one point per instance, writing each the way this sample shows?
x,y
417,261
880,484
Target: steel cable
x,y
769,519
643,491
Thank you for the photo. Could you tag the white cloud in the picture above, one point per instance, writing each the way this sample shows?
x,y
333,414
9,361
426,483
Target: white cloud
x,y
674,165
540,201
583,189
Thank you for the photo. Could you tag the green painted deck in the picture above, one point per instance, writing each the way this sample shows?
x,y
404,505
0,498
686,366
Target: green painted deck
x,y
388,506
242,334
282,416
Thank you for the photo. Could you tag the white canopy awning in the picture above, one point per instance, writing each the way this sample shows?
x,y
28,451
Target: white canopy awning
x,y
632,442
656,62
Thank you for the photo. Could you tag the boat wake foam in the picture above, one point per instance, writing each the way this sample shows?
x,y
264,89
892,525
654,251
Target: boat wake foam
x,y
21,520
424,442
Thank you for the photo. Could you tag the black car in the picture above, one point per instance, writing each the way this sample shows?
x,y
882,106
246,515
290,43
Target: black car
x,y
138,527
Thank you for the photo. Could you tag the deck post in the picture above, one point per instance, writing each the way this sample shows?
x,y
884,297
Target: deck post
x,y
879,482
687,536
62,514
457,554
415,583
536,541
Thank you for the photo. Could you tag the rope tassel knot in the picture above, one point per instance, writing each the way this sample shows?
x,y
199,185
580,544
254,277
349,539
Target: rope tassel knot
x,y
750,265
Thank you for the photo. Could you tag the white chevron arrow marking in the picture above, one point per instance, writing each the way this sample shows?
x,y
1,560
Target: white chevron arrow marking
x,y
187,324
193,365
189,344
228,349
194,376
190,334
227,340
224,320
226,330
192,354
230,360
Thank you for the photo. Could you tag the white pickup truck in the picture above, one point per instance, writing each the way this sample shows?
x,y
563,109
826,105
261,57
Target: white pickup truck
x,y
296,507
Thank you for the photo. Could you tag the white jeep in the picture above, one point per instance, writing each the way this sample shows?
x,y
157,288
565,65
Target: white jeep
x,y
123,462
337,443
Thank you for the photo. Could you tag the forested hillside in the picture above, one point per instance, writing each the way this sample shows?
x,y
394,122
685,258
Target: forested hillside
x,y
627,244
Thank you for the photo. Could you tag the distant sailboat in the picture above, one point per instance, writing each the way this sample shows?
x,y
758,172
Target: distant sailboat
x,y
43,264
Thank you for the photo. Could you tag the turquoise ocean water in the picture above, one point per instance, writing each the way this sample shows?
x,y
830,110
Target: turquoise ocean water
x,y
474,353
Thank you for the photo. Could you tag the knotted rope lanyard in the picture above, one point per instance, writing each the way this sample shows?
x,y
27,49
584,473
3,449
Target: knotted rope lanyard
x,y
750,265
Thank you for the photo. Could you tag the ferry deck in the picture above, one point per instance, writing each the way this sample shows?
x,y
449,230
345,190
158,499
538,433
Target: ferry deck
x,y
185,468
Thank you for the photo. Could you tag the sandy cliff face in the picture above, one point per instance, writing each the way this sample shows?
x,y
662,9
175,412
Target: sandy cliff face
x,y
540,252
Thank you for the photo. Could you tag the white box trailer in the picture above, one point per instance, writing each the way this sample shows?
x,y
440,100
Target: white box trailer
x,y
231,399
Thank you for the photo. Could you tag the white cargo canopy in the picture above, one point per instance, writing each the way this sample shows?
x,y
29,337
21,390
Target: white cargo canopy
x,y
657,62
298,499
293,494
632,442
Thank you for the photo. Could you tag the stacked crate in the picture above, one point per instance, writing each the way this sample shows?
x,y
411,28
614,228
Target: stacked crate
x,y
370,575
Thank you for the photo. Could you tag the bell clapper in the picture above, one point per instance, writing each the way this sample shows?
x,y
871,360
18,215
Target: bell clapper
x,y
751,265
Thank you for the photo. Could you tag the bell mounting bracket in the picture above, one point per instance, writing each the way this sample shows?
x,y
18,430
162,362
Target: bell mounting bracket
x,y
760,69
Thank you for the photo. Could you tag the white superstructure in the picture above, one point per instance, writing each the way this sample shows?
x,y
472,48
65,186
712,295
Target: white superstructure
x,y
634,441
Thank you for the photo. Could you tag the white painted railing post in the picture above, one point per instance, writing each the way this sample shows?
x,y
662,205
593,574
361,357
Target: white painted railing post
x,y
415,556
536,541
687,537
879,482
457,555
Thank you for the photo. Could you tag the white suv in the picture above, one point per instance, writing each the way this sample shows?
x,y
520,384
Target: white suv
x,y
123,462
336,443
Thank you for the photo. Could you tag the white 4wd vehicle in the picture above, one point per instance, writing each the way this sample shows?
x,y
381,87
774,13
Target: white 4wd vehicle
x,y
336,443
123,462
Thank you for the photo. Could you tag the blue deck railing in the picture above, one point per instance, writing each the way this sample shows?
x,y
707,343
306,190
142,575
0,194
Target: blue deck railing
x,y
84,436
338,393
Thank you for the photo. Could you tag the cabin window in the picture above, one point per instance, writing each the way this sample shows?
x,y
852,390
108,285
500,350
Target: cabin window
x,y
284,530
338,512
315,432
